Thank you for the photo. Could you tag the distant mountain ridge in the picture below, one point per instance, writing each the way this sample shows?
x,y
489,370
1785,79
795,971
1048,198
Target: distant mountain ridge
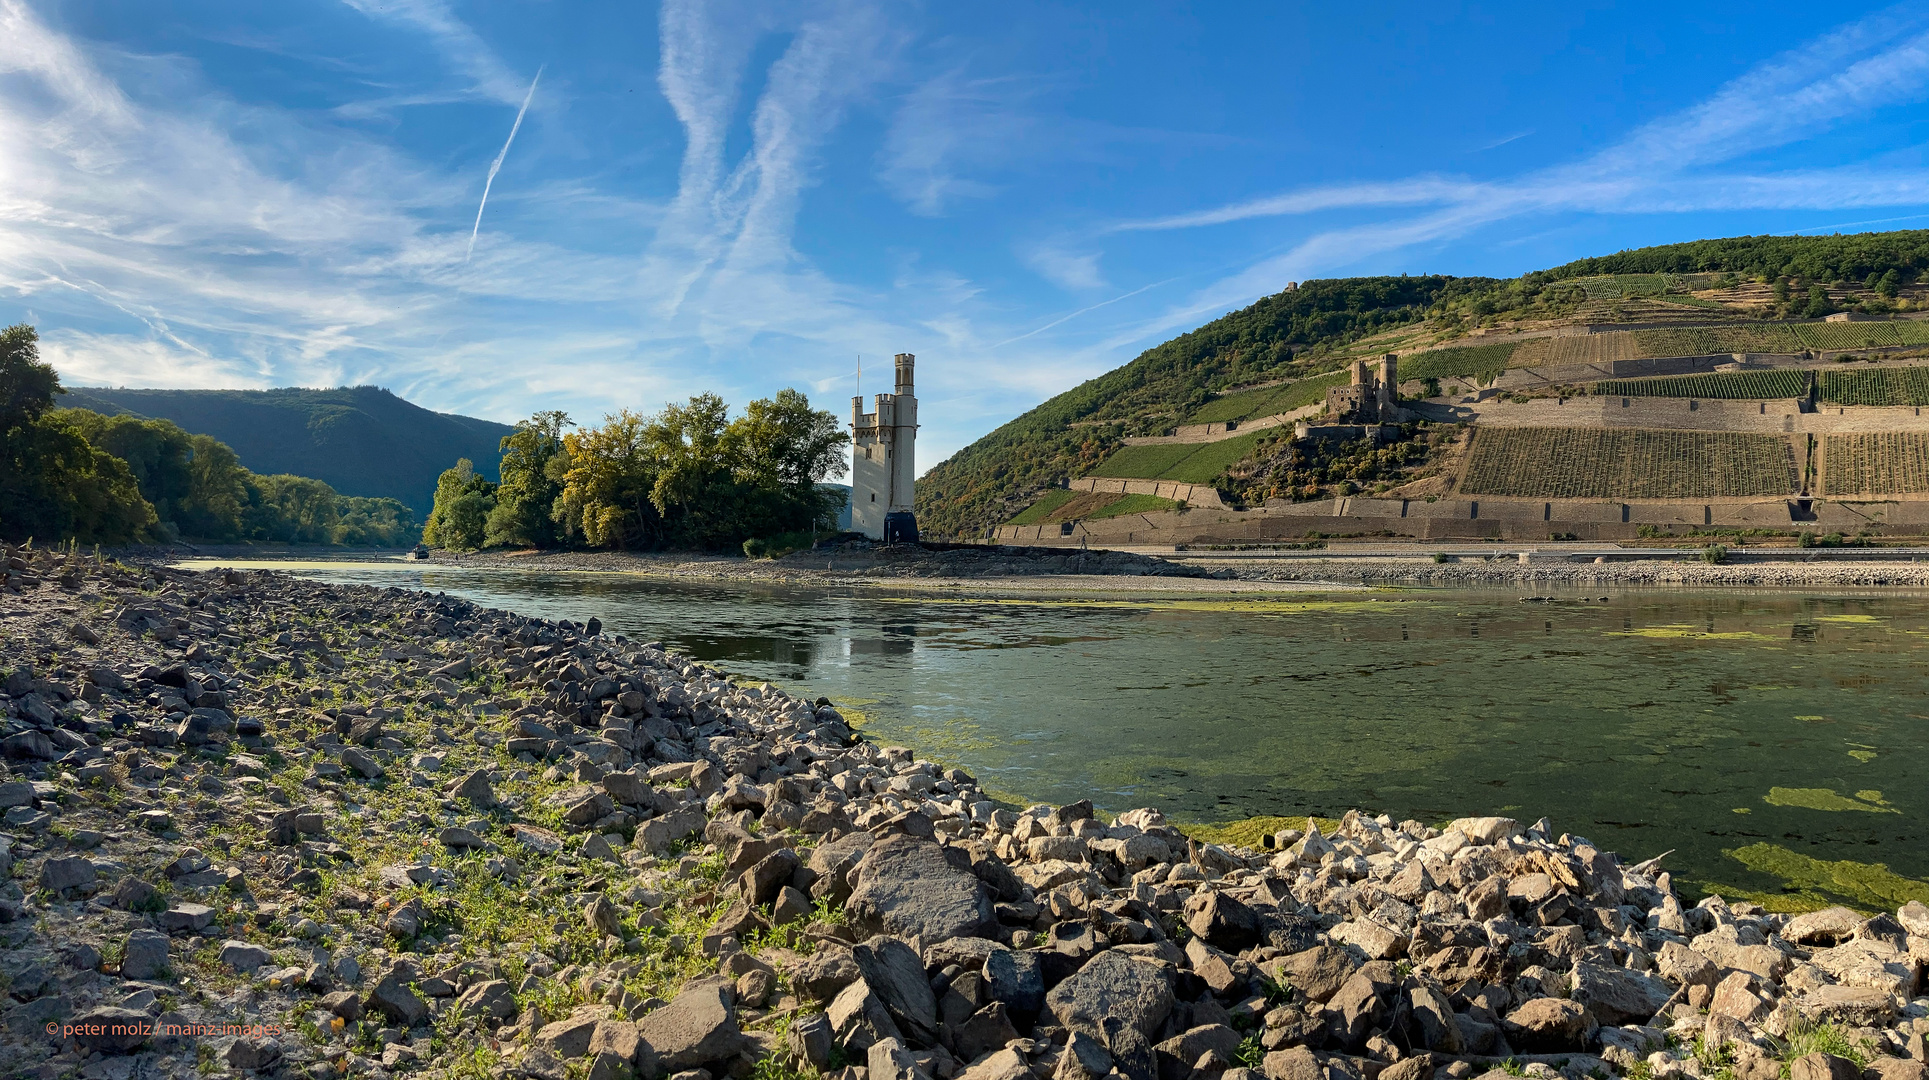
x,y
360,440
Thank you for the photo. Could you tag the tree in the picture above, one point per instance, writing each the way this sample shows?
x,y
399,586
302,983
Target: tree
x,y
526,499
606,486
54,484
460,515
27,386
689,476
293,510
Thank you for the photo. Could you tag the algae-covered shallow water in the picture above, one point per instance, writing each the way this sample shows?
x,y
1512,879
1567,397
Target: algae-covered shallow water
x,y
1777,742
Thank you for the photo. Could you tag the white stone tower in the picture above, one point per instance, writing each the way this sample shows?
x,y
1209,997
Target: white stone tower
x,y
884,462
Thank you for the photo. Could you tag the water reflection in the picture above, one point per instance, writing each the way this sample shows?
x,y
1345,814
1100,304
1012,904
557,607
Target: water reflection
x,y
1651,721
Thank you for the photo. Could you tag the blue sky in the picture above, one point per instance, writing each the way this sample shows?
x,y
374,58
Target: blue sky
x,y
742,197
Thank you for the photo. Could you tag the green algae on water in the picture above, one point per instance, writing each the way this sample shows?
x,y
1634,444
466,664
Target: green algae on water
x,y
1246,833
1810,883
1827,799
1683,630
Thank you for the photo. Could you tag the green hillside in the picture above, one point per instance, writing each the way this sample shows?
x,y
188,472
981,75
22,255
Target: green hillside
x,y
360,440
1289,340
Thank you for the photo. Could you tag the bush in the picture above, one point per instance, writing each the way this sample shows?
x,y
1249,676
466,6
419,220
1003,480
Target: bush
x,y
1714,553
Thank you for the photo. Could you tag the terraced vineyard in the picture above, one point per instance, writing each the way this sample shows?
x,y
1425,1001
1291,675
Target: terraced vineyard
x,y
1729,385
1878,386
1626,463
1865,335
1186,463
1464,361
1267,401
1579,349
1888,463
1706,340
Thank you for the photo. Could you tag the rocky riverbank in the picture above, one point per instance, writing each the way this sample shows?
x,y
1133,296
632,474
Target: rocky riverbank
x,y
268,826
1060,569
854,561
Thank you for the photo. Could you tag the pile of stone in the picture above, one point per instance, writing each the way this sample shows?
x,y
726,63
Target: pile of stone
x,y
184,813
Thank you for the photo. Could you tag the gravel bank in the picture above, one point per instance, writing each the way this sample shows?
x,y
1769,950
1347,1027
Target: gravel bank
x,y
268,826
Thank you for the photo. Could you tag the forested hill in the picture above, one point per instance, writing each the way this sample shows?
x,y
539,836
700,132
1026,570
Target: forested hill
x,y
1314,329
360,440
980,485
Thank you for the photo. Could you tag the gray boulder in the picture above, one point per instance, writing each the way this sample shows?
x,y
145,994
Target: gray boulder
x,y
393,998
113,1030
244,957
1618,995
476,788
144,955
71,872
897,976
907,888
699,1026
189,918
1138,992
1548,1026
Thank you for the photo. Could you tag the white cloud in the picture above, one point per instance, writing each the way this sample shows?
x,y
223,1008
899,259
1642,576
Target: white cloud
x,y
1068,270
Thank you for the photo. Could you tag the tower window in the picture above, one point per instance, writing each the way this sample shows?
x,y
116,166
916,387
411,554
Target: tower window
x,y
873,496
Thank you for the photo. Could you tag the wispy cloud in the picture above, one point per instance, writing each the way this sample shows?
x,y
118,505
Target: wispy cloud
x,y
1672,165
496,165
465,50
947,125
1077,271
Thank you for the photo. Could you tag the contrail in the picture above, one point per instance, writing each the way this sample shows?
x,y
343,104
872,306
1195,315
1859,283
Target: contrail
x,y
496,165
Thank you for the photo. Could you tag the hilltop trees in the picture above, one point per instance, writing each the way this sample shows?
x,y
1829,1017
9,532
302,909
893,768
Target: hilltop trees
x,y
687,476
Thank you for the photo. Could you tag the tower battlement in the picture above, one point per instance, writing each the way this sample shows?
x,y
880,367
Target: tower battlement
x,y
884,460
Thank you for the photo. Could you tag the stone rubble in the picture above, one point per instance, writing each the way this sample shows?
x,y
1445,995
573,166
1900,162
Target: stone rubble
x,y
272,827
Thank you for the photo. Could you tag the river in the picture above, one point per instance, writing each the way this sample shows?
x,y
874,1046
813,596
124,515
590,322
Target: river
x,y
1775,741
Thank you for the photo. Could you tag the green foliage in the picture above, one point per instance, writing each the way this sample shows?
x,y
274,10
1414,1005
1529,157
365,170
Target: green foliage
x,y
1284,468
54,484
1875,386
690,477
463,502
1132,504
1564,463
776,547
1040,512
360,440
1806,1037
533,460
1714,554
1270,400
1211,460
1471,361
1145,462
1812,258
1726,385
1889,462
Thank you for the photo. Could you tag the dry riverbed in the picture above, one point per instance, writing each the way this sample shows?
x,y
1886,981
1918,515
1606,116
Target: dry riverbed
x,y
261,825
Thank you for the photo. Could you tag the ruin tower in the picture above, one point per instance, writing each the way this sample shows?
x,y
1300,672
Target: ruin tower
x,y
1387,394
884,461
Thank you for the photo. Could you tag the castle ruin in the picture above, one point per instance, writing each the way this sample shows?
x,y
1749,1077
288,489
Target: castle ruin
x,y
884,462
1371,397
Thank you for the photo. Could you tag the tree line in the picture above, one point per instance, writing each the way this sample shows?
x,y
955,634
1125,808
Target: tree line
x,y
72,474
686,477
